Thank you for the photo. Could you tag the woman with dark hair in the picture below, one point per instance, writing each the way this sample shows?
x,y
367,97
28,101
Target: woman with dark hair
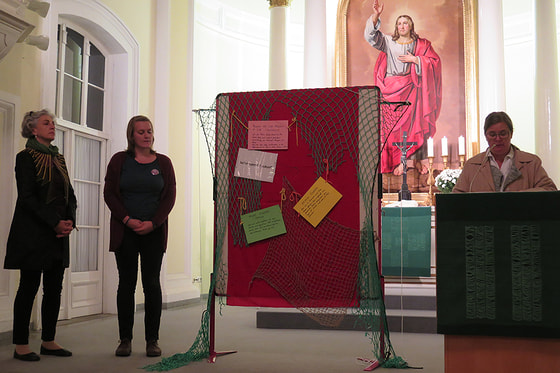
x,y
502,167
38,243
140,192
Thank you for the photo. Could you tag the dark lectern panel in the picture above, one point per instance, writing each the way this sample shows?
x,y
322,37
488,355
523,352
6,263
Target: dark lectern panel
x,y
498,263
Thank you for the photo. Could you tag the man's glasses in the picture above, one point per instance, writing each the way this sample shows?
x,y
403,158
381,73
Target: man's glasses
x,y
502,134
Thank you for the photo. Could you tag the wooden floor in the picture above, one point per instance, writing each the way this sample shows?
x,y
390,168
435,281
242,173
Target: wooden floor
x,y
484,354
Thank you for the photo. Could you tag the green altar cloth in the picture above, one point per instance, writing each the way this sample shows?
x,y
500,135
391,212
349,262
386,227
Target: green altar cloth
x,y
498,264
406,241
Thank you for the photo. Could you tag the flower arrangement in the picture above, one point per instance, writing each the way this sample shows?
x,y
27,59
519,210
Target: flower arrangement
x,y
447,179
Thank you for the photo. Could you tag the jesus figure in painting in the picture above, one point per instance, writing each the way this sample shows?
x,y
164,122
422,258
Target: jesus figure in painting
x,y
407,69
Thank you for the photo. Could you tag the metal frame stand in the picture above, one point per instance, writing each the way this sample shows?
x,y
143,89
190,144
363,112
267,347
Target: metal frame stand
x,y
212,331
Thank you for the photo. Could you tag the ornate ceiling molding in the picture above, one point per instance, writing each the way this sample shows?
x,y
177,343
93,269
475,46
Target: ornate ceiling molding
x,y
13,29
277,3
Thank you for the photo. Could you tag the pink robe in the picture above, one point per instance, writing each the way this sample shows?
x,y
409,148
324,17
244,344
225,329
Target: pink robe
x,y
424,94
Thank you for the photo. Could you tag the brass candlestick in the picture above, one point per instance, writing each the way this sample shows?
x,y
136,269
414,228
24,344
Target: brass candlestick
x,y
444,157
431,181
462,160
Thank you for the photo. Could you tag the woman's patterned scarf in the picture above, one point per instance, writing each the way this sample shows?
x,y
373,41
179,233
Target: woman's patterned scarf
x,y
44,158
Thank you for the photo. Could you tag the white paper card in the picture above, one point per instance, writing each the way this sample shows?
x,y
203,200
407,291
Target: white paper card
x,y
256,165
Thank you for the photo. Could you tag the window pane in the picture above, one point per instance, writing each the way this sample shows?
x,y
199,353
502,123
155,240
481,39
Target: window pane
x,y
59,140
87,159
96,67
84,252
57,97
95,108
88,200
57,49
74,50
72,100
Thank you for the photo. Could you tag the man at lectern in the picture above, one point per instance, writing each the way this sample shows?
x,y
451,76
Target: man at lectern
x,y
502,167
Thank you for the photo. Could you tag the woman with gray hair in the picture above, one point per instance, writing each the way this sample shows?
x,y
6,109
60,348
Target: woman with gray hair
x,y
38,243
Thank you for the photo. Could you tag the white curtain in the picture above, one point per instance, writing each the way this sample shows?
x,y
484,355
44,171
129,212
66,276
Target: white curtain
x,y
87,184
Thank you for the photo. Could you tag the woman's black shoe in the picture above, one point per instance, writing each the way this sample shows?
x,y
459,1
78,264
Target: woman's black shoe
x,y
32,356
58,352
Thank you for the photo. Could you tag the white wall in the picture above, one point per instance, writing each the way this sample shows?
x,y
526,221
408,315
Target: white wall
x,y
231,55
519,63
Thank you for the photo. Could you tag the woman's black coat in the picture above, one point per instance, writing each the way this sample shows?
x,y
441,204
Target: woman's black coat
x,y
32,242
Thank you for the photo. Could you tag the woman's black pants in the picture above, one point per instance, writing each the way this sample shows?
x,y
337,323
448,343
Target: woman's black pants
x,y
151,250
29,282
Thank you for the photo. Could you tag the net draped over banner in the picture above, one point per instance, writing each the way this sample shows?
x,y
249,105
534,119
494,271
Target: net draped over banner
x,y
324,271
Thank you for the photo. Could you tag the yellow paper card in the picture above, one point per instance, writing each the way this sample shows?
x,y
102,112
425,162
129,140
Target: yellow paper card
x,y
317,202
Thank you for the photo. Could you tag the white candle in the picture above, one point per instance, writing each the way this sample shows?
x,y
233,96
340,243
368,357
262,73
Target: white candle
x,y
430,147
444,146
461,145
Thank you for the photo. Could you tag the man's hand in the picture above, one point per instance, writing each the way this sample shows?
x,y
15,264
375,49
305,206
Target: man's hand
x,y
409,57
377,9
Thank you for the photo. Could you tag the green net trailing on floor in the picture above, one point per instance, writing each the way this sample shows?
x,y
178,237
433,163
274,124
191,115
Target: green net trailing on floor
x,y
324,271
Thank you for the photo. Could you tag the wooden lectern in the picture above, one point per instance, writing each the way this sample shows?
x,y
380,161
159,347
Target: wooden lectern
x,y
498,285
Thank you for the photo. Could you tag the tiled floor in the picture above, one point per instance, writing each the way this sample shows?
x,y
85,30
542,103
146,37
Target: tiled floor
x,y
93,341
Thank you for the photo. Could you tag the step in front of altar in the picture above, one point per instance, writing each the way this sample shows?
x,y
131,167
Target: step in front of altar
x,y
405,313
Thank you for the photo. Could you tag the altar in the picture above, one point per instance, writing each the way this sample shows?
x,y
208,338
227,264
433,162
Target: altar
x,y
406,241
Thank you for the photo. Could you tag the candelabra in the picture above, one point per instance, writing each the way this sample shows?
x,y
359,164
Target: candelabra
x,y
444,157
462,160
431,181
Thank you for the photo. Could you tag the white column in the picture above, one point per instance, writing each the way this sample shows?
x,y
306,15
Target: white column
x,y
315,44
177,286
162,78
278,56
547,127
491,82
161,99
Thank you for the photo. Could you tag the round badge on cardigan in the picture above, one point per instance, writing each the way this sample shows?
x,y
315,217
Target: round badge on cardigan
x,y
155,172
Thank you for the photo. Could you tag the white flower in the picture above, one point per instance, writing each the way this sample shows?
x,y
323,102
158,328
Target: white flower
x,y
447,179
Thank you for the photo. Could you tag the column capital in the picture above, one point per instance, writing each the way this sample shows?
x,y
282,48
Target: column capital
x,y
277,3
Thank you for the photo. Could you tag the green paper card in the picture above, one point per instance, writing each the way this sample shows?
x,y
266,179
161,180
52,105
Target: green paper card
x,y
262,224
